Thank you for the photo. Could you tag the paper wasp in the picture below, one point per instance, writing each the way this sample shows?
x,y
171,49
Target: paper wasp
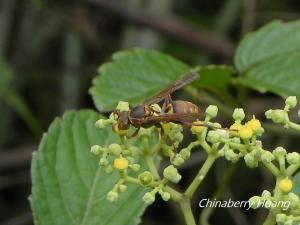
x,y
178,111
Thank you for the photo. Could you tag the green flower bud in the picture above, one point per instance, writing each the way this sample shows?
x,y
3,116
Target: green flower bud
x,y
101,123
213,136
266,194
298,113
293,158
230,155
115,149
279,152
281,218
123,106
145,178
291,102
277,115
250,160
178,137
112,196
294,199
211,111
216,125
149,198
185,153
267,157
96,149
238,114
122,187
103,161
236,140
255,202
109,169
177,160
171,173
165,196
223,133
135,167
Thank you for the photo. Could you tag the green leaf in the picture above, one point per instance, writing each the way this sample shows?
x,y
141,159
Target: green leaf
x,y
296,184
214,77
268,59
134,76
69,187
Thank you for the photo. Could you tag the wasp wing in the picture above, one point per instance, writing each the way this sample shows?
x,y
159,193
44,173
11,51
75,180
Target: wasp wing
x,y
174,117
173,87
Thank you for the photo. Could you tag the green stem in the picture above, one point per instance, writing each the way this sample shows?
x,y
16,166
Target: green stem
x,y
293,125
207,212
186,209
272,168
131,180
149,158
292,169
175,195
201,175
152,167
270,220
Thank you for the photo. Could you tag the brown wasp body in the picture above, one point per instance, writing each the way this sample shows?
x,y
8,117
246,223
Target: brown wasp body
x,y
181,112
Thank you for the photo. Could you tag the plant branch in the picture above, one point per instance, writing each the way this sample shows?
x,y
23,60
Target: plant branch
x,y
186,209
201,175
172,27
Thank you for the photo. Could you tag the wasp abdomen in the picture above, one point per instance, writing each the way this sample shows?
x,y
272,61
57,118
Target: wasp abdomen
x,y
184,107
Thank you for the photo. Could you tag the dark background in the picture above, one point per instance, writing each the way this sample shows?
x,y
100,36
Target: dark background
x,y
50,51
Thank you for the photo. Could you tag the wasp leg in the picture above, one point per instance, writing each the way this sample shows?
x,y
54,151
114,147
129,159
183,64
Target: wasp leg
x,y
161,131
135,133
167,105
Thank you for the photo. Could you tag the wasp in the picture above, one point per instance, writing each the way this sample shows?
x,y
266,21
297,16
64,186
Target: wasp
x,y
178,111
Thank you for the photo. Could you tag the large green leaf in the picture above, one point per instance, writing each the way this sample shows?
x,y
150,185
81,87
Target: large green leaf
x,y
214,77
269,59
296,181
134,76
69,187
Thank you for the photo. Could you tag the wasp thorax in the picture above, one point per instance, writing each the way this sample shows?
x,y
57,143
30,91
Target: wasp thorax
x,y
140,111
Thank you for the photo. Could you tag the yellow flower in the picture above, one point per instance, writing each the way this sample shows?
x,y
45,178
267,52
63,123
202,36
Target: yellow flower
x,y
245,132
254,124
197,129
235,128
286,185
121,163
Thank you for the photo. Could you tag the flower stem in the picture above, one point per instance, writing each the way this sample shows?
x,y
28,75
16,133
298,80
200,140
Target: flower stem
x,y
270,220
201,175
152,167
186,209
272,168
293,125
175,195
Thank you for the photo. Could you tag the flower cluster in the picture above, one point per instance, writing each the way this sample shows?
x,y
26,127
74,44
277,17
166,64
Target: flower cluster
x,y
136,160
281,116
